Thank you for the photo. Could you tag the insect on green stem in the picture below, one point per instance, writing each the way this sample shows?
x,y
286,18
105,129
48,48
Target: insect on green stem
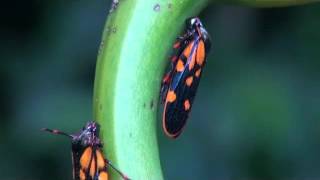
x,y
132,57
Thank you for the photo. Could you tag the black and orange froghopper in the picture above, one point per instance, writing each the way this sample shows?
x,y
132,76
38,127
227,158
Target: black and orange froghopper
x,y
180,84
87,157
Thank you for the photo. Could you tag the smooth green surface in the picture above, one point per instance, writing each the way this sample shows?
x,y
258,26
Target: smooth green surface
x,y
134,51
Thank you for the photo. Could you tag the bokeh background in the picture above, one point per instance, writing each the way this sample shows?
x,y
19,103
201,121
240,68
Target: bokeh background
x,y
256,115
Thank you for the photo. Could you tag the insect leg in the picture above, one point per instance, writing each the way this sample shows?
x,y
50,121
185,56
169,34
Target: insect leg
x,y
117,170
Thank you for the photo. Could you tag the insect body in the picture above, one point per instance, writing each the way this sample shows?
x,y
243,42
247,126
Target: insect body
x,y
87,157
180,84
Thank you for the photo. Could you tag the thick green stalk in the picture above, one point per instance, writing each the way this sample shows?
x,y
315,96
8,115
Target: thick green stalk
x,y
132,57
133,53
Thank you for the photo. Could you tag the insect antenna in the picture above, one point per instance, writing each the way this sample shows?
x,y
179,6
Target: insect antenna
x,y
58,132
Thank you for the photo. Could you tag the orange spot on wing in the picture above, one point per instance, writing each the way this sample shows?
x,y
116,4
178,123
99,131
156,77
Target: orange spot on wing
x,y
93,167
171,96
198,72
82,175
189,80
187,53
103,175
200,53
180,66
192,61
100,160
85,158
186,105
88,161
187,50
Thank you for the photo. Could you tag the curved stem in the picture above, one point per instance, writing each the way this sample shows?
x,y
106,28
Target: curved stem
x,y
131,61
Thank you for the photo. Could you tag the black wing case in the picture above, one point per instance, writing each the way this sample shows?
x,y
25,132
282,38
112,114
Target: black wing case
x,y
176,113
77,151
178,48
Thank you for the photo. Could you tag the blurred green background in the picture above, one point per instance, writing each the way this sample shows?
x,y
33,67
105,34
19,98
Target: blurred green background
x,y
256,115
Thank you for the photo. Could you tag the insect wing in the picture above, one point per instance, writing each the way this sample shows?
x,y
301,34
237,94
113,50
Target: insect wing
x,y
183,87
178,47
90,165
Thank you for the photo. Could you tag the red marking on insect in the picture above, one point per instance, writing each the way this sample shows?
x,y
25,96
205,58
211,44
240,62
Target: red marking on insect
x,y
198,73
187,105
189,81
174,59
180,83
176,45
87,157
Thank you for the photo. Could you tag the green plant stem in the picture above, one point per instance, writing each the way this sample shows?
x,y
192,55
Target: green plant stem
x,y
133,54
267,3
131,61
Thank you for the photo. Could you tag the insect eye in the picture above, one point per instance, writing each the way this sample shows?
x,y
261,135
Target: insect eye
x,y
193,21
